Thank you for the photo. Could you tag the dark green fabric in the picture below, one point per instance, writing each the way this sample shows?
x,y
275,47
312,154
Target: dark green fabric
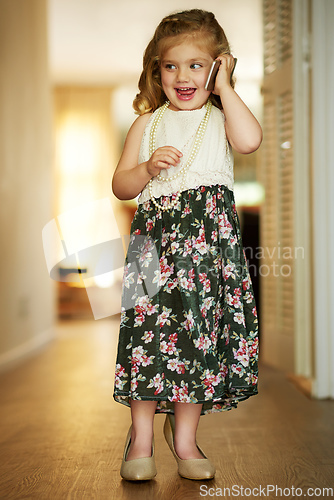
x,y
194,337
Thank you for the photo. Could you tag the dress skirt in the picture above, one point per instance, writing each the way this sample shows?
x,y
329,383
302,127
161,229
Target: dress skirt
x,y
189,328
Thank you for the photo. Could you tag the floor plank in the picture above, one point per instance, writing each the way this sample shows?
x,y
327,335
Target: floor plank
x,y
62,435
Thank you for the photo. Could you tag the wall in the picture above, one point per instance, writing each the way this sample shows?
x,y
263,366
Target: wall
x,y
322,43
26,291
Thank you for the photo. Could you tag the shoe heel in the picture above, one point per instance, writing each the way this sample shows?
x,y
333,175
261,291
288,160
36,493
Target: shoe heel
x,y
138,469
197,469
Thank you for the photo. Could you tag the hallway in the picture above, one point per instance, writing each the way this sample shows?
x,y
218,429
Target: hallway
x,y
62,435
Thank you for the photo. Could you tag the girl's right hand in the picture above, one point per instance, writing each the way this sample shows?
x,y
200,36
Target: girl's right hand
x,y
163,158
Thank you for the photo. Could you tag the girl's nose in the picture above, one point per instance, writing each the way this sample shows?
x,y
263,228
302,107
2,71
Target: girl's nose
x,y
182,75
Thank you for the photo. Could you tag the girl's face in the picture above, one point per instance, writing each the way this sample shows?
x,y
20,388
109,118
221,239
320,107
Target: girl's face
x,y
184,71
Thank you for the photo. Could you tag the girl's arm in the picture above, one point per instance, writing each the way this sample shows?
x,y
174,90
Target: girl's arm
x,y
243,131
130,178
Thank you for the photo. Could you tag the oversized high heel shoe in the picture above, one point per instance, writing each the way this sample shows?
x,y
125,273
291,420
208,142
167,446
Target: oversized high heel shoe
x,y
193,468
138,469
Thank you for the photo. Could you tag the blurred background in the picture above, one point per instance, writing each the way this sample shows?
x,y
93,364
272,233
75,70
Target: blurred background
x,y
69,73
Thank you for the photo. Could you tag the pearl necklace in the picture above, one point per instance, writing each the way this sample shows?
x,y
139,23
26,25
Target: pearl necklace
x,y
183,171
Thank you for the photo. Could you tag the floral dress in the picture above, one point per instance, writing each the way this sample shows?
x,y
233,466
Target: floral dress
x,y
189,328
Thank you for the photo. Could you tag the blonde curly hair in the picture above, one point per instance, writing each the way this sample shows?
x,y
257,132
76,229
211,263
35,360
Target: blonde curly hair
x,y
195,25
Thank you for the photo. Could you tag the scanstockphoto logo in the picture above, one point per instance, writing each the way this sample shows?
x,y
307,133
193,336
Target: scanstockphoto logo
x,y
84,245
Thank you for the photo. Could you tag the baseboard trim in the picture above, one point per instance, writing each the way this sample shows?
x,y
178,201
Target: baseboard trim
x,y
23,351
303,384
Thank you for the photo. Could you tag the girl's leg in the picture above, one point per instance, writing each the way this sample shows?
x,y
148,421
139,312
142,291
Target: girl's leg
x,y
142,414
186,423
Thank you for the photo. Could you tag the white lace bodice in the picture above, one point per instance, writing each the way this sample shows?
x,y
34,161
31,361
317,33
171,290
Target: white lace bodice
x,y
213,163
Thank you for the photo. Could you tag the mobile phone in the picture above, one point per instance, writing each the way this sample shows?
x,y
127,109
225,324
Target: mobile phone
x,y
210,83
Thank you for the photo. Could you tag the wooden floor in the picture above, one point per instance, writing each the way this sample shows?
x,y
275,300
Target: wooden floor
x,y
62,435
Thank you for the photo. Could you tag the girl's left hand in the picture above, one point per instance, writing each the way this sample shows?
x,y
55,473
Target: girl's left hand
x,y
223,77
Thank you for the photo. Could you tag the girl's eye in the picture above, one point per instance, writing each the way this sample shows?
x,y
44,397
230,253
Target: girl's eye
x,y
196,66
170,66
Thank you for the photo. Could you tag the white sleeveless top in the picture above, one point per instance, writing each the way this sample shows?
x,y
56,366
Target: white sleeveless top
x,y
213,163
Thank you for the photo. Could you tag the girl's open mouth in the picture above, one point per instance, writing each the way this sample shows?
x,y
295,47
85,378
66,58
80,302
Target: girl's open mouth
x,y
185,93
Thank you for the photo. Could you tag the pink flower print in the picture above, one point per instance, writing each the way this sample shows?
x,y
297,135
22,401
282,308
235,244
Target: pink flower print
x,y
137,231
159,388
157,382
180,394
210,378
234,300
205,307
226,333
146,254
254,311
164,239
195,258
187,284
228,271
187,248
251,378
137,355
147,360
242,354
186,210
165,270
189,321
233,240
214,235
134,384
143,306
205,282
172,364
172,284
149,225
134,370
174,246
223,371
203,343
248,297
209,392
167,348
253,347
142,303
119,373
148,336
214,337
239,318
120,370
128,278
211,206
199,243
173,235
140,318
180,368
151,309
224,226
246,283
237,369
164,316
173,337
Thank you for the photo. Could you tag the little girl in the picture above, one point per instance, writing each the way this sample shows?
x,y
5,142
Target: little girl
x,y
188,343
